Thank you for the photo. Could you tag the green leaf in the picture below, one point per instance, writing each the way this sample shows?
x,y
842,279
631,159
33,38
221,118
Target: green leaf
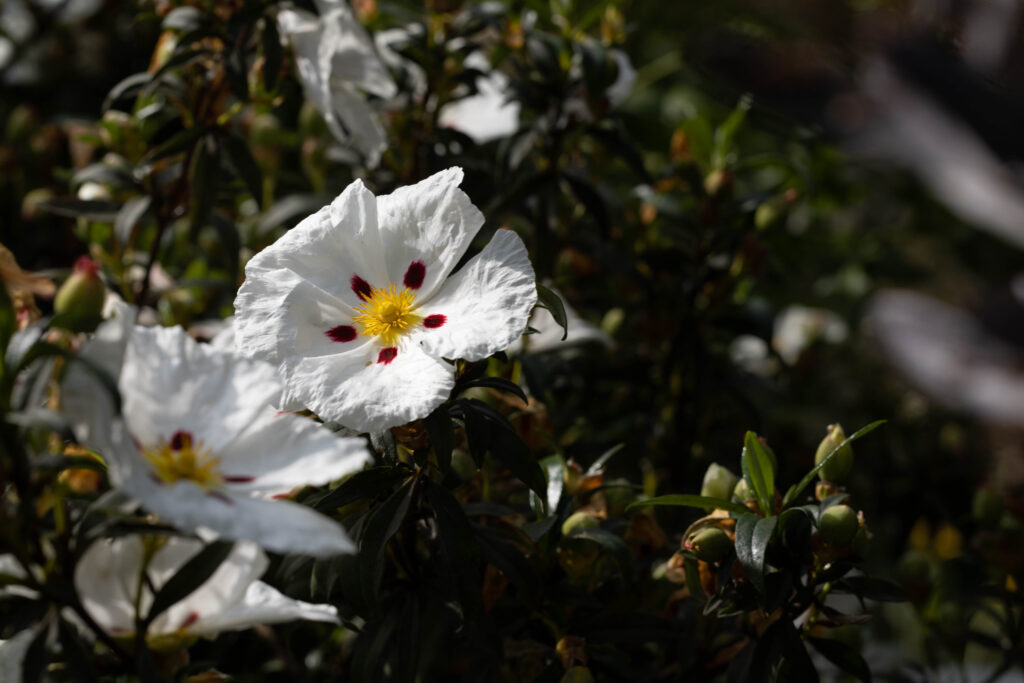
x,y
795,492
752,536
98,210
597,465
459,548
270,44
363,485
184,19
759,472
243,161
610,543
8,321
843,656
442,436
128,217
762,535
126,87
551,301
702,502
383,523
725,134
46,349
44,419
499,383
227,232
193,574
489,430
203,177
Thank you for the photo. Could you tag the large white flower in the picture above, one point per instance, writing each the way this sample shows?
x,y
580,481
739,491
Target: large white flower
x,y
201,442
355,306
114,575
336,60
489,113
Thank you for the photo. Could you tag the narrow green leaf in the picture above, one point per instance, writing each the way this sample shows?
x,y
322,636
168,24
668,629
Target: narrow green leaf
x,y
442,436
98,210
759,472
551,301
363,485
190,577
725,134
843,656
745,527
384,523
702,502
243,161
126,87
227,232
795,492
203,177
595,467
762,535
270,44
128,217
499,383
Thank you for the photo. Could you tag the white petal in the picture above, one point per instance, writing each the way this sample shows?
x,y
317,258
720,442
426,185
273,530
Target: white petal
x,y
170,382
12,655
263,604
486,304
283,451
369,396
277,525
488,114
362,126
432,222
107,578
347,53
619,90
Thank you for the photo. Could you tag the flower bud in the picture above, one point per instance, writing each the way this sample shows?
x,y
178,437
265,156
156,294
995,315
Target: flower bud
x,y
710,544
742,492
837,468
838,525
79,301
719,482
579,521
718,182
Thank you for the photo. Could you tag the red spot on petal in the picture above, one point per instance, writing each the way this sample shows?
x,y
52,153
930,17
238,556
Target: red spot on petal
x,y
415,274
341,333
434,321
181,439
387,355
361,287
190,619
239,480
281,496
282,412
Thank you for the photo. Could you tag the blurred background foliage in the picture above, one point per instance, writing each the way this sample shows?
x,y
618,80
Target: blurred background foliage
x,y
756,165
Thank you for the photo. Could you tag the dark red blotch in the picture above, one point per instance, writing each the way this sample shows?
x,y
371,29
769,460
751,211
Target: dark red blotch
x,y
434,321
387,355
341,333
361,287
414,275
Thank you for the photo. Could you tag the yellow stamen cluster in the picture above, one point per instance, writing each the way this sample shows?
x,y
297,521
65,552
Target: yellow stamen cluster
x,y
388,314
191,461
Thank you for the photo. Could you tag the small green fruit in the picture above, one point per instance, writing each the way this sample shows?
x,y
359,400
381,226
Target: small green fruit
x,y
838,525
710,544
742,492
719,482
579,521
79,301
838,467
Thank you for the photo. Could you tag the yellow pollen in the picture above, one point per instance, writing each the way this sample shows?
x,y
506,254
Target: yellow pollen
x,y
388,314
191,461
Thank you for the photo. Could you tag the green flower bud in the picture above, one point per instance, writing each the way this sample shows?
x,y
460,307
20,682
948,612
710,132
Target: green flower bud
x,y
710,544
742,492
838,525
839,466
719,482
79,301
578,521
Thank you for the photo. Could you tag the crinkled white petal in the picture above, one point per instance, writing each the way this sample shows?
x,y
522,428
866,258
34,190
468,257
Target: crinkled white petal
x,y
389,42
486,304
432,222
263,604
12,656
283,451
347,53
169,383
360,393
277,525
361,124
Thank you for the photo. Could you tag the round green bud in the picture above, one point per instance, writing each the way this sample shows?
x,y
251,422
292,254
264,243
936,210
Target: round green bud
x,y
742,492
838,467
710,544
838,525
579,521
719,482
79,301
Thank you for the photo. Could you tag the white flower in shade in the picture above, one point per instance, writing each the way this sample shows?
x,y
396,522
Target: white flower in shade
x,y
337,63
114,575
201,442
12,656
355,307
489,113
798,327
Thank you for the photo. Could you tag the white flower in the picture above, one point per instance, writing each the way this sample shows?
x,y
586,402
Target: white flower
x,y
201,442
797,327
12,656
488,114
110,583
750,353
336,59
355,307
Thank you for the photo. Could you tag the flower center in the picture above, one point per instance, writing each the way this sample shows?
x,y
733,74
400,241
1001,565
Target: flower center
x,y
388,313
184,458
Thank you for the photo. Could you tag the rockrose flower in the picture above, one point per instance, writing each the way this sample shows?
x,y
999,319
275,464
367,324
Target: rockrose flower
x,y
337,61
201,442
355,307
116,576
